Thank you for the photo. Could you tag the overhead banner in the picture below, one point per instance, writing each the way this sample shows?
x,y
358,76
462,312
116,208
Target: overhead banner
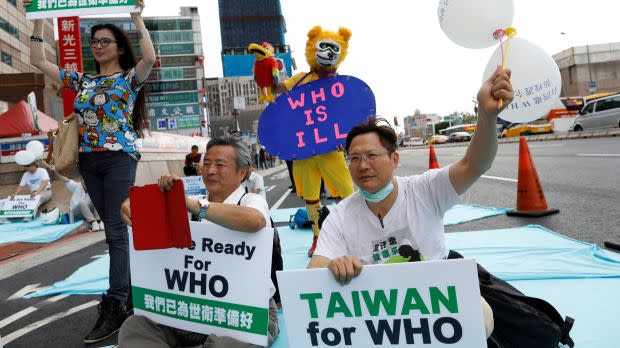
x,y
431,304
20,207
314,118
62,8
221,285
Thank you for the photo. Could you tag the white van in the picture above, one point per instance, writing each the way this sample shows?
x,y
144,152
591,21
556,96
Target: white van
x,y
599,113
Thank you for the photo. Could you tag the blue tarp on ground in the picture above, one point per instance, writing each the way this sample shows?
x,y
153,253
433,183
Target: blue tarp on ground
x,y
458,214
580,279
34,231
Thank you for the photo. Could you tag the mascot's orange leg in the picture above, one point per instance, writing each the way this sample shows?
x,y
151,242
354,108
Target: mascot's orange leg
x,y
262,96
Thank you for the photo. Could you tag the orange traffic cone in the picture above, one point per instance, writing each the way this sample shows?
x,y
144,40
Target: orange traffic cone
x,y
531,200
432,160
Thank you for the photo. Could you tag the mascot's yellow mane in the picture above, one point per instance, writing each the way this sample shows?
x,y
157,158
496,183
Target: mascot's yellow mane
x,y
325,50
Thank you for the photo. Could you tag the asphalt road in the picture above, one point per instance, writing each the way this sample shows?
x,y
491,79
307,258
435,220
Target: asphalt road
x,y
579,177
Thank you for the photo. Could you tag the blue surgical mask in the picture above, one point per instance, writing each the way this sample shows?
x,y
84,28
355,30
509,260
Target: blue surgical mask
x,y
379,195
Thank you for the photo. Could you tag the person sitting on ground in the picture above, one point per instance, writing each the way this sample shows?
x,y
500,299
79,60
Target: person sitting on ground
x,y
192,162
370,226
255,184
38,181
226,164
80,204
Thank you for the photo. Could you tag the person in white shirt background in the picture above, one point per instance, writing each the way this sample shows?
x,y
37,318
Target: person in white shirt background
x,y
255,184
38,181
80,204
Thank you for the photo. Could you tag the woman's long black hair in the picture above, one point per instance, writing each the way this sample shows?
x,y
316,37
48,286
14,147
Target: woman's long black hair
x,y
127,60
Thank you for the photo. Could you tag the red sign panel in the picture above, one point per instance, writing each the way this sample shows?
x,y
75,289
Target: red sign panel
x,y
70,47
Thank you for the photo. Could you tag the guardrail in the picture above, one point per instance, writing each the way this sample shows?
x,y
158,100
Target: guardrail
x,y
598,133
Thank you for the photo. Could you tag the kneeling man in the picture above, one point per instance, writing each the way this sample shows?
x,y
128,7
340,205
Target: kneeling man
x,y
394,218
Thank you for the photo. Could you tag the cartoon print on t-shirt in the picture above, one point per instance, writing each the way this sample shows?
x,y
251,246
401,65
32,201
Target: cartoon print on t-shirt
x,y
406,253
130,138
92,137
100,98
106,97
90,117
73,85
111,126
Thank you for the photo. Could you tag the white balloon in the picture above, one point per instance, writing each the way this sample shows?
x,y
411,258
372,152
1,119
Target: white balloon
x,y
24,157
471,23
535,79
36,147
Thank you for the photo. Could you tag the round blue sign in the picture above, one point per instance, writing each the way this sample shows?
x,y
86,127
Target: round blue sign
x,y
314,118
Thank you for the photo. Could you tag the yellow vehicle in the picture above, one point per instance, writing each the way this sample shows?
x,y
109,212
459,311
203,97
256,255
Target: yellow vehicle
x,y
536,127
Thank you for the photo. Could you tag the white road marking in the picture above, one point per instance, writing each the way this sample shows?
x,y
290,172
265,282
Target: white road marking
x,y
98,256
277,205
598,154
269,188
19,333
26,311
25,290
280,176
498,178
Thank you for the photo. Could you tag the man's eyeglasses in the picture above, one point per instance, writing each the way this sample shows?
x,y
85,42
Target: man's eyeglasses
x,y
105,42
370,157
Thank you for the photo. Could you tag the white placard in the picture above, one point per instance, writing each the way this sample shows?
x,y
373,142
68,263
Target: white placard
x,y
431,304
20,207
220,287
194,186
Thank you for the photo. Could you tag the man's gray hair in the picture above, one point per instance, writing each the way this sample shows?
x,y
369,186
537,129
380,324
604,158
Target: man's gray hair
x,y
242,149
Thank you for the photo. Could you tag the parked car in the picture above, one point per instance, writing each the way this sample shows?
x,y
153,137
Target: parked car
x,y
535,127
414,142
459,136
599,113
437,139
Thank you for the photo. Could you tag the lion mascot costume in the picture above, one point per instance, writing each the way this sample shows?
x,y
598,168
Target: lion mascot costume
x,y
325,50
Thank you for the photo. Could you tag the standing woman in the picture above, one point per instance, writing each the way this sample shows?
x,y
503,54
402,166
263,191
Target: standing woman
x,y
111,114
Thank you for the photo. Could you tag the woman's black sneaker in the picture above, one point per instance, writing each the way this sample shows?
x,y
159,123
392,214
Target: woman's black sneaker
x,y
112,314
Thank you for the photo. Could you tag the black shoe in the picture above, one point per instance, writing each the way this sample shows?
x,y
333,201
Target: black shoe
x,y
112,314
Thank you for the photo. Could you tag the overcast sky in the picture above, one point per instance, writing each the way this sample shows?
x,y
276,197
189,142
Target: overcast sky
x,y
400,51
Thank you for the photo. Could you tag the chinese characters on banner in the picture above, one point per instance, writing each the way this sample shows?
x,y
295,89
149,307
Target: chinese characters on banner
x,y
70,47
59,8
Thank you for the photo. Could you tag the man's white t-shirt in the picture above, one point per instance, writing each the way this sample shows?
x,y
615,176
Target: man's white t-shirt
x,y
33,181
255,181
252,200
78,194
412,228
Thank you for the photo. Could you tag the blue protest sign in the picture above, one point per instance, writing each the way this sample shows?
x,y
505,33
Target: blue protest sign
x,y
314,118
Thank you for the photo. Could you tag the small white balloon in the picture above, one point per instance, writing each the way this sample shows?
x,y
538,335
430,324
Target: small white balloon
x,y
36,147
535,80
471,23
24,157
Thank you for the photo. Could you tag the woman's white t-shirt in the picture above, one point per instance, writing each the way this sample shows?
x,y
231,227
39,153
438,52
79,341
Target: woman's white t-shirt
x,y
415,220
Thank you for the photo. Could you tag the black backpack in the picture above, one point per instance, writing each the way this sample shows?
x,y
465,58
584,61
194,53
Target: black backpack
x,y
520,321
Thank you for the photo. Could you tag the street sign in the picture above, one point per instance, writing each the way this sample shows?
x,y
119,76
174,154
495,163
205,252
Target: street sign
x,y
592,86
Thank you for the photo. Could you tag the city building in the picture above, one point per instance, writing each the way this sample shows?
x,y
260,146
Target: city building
x,y
232,103
18,77
589,69
417,125
251,21
175,86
